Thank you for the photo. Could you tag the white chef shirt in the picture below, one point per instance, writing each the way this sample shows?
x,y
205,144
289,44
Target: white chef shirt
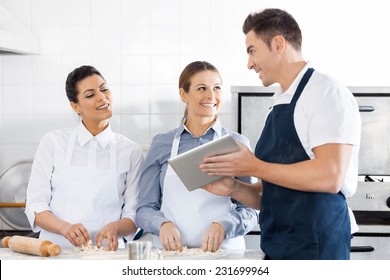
x,y
326,112
50,157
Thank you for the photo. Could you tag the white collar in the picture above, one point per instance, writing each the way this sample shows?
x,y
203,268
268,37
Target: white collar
x,y
216,126
103,138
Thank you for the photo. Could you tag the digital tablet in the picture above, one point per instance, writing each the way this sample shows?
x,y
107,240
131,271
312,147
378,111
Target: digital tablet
x,y
186,165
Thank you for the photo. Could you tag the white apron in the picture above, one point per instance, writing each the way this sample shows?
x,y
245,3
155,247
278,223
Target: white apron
x,y
86,195
193,212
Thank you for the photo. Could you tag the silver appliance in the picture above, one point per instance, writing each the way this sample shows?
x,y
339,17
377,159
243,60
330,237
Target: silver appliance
x,y
371,203
13,185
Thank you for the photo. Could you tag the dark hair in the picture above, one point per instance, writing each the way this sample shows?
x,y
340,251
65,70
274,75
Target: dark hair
x,y
271,22
76,76
191,69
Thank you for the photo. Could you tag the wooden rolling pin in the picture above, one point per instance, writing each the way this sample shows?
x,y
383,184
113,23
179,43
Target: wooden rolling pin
x,y
12,205
30,245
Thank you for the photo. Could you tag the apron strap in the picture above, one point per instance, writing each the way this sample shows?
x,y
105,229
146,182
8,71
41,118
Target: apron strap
x,y
176,140
302,85
113,161
69,148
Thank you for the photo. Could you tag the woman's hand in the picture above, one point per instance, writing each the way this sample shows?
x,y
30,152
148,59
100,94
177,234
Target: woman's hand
x,y
77,234
170,237
224,186
110,233
213,238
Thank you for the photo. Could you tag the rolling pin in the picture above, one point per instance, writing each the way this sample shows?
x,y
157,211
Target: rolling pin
x,y
30,245
12,204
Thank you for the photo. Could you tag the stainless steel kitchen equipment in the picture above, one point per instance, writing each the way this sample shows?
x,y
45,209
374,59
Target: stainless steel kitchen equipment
x,y
13,185
371,203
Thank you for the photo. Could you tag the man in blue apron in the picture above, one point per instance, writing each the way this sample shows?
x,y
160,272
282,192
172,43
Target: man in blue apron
x,y
307,154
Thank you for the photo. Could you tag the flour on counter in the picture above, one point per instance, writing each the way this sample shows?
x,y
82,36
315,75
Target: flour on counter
x,y
88,249
195,252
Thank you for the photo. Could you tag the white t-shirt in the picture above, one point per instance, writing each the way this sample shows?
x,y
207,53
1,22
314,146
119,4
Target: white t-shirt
x,y
326,112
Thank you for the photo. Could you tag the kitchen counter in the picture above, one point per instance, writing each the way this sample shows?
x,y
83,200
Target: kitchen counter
x,y
121,254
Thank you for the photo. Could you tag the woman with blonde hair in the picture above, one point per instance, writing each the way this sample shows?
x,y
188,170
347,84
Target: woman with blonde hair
x,y
175,216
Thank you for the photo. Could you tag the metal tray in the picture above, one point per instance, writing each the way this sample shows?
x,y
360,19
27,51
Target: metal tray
x,y
13,186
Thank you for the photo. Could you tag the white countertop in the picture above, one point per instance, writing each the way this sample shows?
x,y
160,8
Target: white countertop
x,y
121,254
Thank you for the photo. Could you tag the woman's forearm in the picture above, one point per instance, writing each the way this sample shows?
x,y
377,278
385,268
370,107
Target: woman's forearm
x,y
125,227
248,194
49,222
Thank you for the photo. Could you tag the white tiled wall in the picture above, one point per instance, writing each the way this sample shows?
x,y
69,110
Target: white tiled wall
x,y
141,46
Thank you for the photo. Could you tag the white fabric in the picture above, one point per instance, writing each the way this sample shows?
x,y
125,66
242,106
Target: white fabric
x,y
49,163
193,212
89,187
326,112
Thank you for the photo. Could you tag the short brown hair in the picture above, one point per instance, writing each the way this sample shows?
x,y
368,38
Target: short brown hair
x,y
271,22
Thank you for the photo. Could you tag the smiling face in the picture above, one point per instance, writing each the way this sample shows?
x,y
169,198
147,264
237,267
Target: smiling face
x,y
94,100
263,59
204,95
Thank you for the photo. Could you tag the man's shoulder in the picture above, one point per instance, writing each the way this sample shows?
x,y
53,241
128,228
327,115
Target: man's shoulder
x,y
325,82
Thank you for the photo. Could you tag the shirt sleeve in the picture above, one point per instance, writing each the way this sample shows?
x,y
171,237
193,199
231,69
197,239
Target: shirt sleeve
x,y
244,140
38,192
334,118
149,217
240,219
131,193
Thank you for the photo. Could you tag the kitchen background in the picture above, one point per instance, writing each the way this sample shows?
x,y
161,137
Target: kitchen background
x,y
141,46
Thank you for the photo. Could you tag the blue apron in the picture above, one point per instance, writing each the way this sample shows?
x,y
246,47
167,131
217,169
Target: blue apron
x,y
297,224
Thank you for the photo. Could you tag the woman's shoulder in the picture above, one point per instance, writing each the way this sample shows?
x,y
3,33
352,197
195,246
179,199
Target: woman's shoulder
x,y
164,137
123,142
236,136
55,140
161,144
58,135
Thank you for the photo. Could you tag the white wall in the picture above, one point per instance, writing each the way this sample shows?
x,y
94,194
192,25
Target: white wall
x,y
140,46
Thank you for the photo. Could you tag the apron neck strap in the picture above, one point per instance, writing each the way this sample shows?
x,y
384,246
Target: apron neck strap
x,y
302,85
176,140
